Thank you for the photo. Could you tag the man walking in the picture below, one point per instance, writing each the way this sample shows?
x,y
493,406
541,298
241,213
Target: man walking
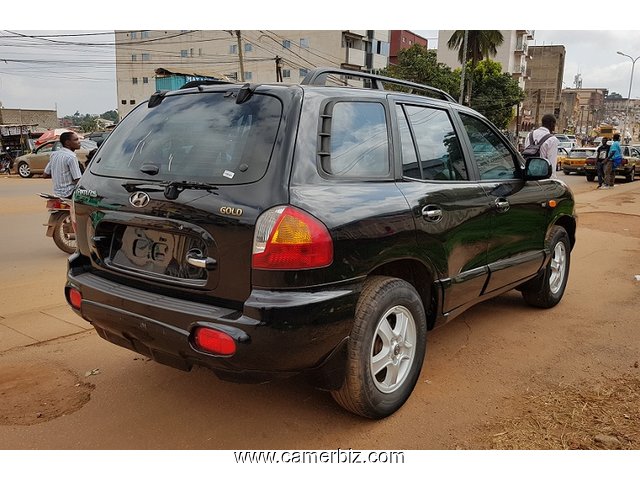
x,y
601,157
549,149
63,166
614,157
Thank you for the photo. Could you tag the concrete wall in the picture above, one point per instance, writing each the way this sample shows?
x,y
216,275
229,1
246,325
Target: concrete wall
x,y
45,119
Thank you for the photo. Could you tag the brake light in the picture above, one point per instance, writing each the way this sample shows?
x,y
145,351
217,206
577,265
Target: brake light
x,y
287,238
75,298
214,341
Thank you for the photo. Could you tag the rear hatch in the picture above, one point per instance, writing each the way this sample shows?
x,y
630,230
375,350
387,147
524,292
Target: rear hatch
x,y
171,199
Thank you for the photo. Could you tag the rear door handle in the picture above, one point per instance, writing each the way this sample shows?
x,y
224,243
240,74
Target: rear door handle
x,y
502,204
432,213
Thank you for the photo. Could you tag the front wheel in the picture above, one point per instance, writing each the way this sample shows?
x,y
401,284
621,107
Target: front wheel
x,y
546,290
632,175
24,170
63,235
385,350
590,178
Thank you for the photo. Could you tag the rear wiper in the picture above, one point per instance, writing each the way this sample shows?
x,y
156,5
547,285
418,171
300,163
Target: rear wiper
x,y
143,187
173,189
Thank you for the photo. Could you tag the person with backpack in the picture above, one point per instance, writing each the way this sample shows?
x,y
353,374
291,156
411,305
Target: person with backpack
x,y
542,143
601,157
614,159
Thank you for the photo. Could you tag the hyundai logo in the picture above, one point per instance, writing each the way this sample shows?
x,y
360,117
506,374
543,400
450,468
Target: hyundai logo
x,y
139,199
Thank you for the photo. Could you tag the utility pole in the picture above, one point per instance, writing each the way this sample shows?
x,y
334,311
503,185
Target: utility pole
x,y
538,109
239,36
464,64
278,69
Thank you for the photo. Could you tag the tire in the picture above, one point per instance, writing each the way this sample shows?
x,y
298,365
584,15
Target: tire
x,y
24,170
546,290
632,175
63,235
385,350
590,178
566,172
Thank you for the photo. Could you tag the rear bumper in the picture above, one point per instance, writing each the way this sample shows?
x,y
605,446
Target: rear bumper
x,y
277,334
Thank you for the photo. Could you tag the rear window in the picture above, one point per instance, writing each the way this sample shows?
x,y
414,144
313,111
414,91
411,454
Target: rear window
x,y
204,137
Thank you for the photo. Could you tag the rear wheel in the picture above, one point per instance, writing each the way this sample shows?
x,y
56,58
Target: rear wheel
x,y
546,290
590,178
385,350
632,175
24,170
63,235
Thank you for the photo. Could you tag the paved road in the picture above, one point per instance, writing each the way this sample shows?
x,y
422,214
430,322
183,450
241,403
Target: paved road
x,y
69,389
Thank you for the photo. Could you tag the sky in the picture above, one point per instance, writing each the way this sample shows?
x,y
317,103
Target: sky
x,y
77,73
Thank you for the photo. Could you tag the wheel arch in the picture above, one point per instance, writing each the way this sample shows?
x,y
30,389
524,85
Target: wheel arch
x,y
569,224
420,276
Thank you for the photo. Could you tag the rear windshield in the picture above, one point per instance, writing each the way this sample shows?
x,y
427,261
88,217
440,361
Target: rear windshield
x,y
204,137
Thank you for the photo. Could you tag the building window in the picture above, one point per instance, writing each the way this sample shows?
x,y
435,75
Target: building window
x,y
286,73
233,49
134,80
199,52
383,48
286,43
303,72
304,43
248,47
191,52
124,102
132,102
144,34
184,53
134,57
146,57
248,75
145,79
134,35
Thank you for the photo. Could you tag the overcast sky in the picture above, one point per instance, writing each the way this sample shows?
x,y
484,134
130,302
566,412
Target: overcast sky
x,y
78,73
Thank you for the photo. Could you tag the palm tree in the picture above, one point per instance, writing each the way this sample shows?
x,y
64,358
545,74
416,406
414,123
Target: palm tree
x,y
480,44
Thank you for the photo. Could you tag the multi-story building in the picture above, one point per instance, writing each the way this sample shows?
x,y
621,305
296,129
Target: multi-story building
x,y
583,109
402,39
543,89
511,54
256,56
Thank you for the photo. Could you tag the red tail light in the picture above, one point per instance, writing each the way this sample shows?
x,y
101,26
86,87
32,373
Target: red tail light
x,y
55,204
214,341
75,298
289,239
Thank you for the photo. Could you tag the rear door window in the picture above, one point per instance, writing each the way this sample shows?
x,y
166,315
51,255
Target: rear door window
x,y
204,137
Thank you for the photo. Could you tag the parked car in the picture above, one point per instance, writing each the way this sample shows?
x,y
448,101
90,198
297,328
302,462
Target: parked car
x,y
34,163
575,160
629,168
562,154
97,137
564,141
269,230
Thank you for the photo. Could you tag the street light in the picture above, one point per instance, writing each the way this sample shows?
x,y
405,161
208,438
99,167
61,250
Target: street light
x,y
633,65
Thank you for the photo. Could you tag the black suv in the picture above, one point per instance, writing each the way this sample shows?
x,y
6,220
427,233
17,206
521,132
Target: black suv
x,y
270,230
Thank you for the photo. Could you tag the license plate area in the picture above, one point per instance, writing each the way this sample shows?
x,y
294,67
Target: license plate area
x,y
156,253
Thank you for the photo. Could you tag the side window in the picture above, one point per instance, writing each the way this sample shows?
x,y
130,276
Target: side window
x,y
495,161
439,156
359,145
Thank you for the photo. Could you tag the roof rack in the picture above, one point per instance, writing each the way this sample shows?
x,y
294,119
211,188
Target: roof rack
x,y
318,76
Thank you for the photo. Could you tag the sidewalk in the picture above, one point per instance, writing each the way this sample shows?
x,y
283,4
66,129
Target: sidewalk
x,y
29,328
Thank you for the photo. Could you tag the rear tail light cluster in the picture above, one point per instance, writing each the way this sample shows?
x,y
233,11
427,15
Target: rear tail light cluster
x,y
287,238
214,341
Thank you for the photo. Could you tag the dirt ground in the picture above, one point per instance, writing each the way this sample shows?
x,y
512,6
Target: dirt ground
x,y
501,376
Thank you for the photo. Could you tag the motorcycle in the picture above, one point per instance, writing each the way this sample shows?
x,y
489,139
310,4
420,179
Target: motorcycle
x,y
59,225
6,161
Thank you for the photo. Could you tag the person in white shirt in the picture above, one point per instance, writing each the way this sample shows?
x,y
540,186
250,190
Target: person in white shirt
x,y
63,166
549,149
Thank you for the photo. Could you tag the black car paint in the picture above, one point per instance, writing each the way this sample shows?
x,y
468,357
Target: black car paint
x,y
291,321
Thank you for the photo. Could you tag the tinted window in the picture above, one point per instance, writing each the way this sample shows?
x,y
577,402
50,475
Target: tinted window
x,y
359,141
205,137
494,159
440,156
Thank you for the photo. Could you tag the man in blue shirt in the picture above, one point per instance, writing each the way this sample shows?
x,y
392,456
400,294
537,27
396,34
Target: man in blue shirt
x,y
63,166
613,160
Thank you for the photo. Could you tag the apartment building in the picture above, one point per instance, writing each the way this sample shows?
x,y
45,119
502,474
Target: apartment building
x,y
512,54
402,39
583,109
256,56
543,88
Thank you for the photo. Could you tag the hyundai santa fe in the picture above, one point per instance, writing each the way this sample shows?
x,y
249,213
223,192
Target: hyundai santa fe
x,y
320,229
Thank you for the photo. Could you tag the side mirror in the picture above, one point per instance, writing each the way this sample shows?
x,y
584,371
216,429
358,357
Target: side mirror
x,y
537,169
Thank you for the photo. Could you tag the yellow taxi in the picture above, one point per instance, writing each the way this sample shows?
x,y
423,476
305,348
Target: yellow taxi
x,y
575,161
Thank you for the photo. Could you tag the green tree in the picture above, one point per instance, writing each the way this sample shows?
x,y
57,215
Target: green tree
x,y
481,44
420,65
495,93
110,115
